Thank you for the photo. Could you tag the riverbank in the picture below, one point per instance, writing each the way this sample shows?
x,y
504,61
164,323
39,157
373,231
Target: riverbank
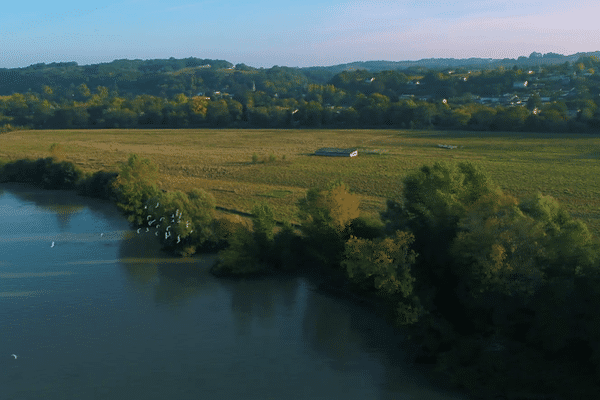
x,y
456,356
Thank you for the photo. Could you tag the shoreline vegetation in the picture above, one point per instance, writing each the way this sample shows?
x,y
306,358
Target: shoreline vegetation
x,y
500,293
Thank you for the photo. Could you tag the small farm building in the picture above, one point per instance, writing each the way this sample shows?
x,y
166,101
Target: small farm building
x,y
334,152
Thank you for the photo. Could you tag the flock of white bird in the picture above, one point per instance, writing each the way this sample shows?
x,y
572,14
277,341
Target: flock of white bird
x,y
167,233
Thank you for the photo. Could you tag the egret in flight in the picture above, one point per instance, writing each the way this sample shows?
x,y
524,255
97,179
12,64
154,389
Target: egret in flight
x,y
52,245
14,355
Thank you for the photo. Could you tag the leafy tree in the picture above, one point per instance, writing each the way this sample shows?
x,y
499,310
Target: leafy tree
x,y
435,198
217,113
135,184
570,245
384,264
499,249
263,225
326,218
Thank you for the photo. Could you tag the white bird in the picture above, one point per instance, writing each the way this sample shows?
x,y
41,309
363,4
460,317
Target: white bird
x,y
14,355
148,217
166,235
161,218
156,233
177,211
168,227
178,239
145,207
147,229
156,205
151,222
102,234
52,244
138,231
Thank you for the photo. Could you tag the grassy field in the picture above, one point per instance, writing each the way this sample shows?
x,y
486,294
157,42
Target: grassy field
x,y
220,161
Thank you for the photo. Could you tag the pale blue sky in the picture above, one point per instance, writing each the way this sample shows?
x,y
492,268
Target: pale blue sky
x,y
292,33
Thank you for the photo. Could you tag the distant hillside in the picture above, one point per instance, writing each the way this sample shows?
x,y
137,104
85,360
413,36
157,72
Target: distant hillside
x,y
534,59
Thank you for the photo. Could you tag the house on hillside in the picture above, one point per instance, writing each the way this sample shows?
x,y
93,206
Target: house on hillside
x,y
520,85
335,152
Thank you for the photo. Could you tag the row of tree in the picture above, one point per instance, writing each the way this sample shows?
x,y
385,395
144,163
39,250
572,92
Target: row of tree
x,y
104,109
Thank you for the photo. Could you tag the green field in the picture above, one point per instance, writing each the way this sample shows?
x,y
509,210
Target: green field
x,y
565,166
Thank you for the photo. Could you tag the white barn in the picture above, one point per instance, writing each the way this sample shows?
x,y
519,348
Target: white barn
x,y
335,152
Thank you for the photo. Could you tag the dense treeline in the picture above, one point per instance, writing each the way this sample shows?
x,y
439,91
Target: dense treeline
x,y
213,93
501,293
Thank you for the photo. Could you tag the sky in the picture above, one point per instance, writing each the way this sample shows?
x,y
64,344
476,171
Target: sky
x,y
264,33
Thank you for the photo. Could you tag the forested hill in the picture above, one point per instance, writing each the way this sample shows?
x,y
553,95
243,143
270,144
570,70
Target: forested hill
x,y
535,59
164,77
537,93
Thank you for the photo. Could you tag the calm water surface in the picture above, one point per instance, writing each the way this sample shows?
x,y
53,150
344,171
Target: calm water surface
x,y
110,316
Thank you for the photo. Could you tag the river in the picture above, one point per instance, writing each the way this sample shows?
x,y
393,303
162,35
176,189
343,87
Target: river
x,y
93,310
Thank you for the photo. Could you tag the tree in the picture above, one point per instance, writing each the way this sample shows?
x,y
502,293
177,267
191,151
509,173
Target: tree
x,y
326,217
263,224
435,198
135,184
570,246
385,264
217,113
499,249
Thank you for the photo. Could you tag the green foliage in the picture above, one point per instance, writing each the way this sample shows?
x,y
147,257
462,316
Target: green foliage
x,y
367,227
263,225
134,186
570,246
240,257
99,184
435,198
499,249
386,262
44,171
287,248
254,158
326,217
